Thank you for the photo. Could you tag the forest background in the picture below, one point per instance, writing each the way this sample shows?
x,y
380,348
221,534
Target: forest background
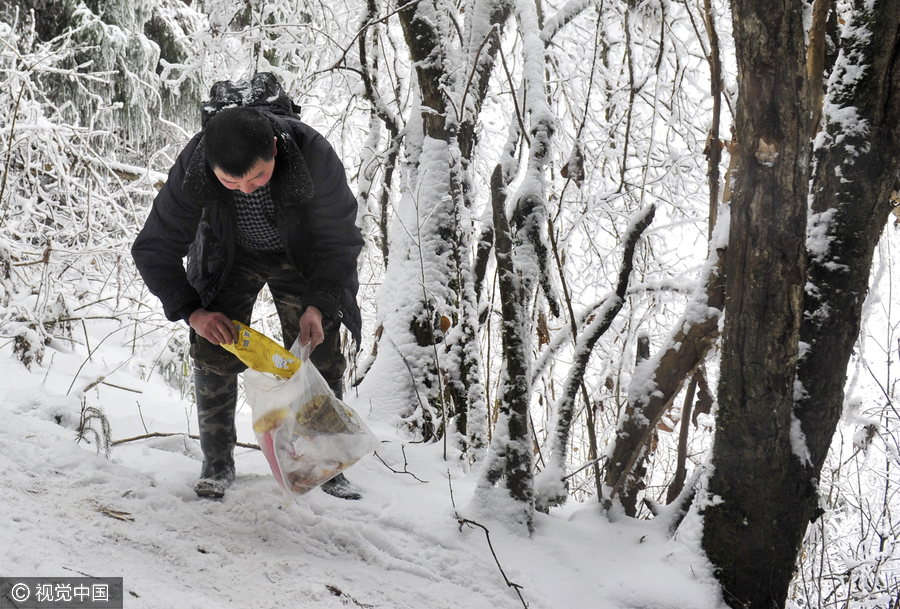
x,y
558,200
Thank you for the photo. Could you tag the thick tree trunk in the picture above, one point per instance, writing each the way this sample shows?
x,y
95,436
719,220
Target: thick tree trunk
x,y
769,451
752,528
445,323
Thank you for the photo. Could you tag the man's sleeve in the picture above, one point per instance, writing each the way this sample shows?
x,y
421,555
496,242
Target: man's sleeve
x,y
336,239
164,240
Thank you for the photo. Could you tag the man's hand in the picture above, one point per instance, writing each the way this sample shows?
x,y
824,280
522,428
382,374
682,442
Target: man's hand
x,y
311,328
215,327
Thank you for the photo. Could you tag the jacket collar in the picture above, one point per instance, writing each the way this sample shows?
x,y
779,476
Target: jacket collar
x,y
291,182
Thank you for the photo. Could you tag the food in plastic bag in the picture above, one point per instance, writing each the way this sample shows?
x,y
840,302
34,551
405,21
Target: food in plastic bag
x,y
307,434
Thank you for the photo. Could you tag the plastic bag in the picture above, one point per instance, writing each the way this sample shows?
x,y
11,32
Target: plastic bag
x,y
306,433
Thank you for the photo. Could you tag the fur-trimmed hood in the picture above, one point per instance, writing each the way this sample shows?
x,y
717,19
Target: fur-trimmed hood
x,y
291,181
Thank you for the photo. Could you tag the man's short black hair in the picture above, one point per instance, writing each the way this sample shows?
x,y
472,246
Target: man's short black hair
x,y
236,139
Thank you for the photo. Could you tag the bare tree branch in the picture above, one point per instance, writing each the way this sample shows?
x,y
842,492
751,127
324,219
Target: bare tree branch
x,y
688,345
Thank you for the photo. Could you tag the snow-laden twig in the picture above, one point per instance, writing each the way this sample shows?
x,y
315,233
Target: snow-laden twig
x,y
565,410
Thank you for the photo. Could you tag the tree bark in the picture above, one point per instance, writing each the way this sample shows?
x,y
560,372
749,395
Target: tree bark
x,y
815,59
752,529
713,147
510,462
773,435
852,185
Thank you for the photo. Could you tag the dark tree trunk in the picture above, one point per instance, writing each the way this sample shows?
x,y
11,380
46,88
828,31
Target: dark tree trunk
x,y
423,41
753,529
855,174
765,481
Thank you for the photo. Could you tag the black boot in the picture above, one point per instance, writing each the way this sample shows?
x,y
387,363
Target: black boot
x,y
216,402
341,488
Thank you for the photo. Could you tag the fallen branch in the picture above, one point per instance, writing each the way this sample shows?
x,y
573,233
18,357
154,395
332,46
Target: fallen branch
x,y
160,434
90,353
335,591
487,535
117,514
405,465
121,387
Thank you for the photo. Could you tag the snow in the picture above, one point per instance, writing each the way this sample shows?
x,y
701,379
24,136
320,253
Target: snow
x,y
400,546
799,447
569,11
849,70
818,241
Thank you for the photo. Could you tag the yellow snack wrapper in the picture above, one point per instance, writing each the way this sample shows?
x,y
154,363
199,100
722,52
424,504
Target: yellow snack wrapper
x,y
261,353
271,419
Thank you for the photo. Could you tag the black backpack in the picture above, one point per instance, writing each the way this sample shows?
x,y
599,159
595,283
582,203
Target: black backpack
x,y
262,89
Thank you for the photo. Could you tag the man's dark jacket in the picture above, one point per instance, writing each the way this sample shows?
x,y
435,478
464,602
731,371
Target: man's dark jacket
x,y
315,212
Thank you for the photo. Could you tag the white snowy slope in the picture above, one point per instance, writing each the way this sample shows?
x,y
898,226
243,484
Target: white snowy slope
x,y
67,511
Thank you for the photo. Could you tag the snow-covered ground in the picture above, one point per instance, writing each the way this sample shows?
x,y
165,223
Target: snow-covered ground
x,y
67,511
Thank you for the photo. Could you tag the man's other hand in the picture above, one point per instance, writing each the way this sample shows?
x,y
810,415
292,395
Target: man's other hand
x,y
215,327
311,332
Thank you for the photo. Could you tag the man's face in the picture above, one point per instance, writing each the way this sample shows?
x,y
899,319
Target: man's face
x,y
259,175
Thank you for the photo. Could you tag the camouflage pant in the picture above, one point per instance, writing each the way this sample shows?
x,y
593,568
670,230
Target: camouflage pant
x,y
216,398
250,273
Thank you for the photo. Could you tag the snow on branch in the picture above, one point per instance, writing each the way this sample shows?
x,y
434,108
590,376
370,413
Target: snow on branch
x,y
67,206
563,16
658,380
551,488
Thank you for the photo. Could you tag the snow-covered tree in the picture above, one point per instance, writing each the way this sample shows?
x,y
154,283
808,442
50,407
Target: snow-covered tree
x,y
81,109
